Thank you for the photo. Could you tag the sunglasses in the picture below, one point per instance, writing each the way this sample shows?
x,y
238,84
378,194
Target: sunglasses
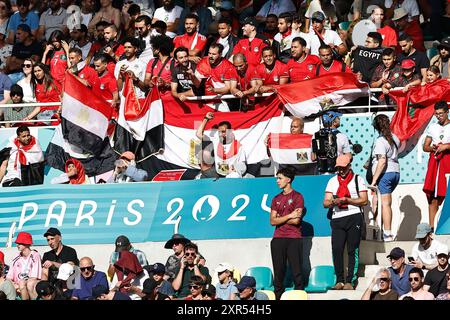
x,y
416,279
26,65
187,254
16,94
384,279
87,268
194,287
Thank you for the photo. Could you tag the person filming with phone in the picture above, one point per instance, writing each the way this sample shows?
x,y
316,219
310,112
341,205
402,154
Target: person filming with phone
x,y
126,171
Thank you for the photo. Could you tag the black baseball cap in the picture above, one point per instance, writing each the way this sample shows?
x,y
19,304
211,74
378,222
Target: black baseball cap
x,y
122,242
52,232
251,21
44,288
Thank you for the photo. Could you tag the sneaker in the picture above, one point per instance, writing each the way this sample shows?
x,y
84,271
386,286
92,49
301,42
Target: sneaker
x,y
348,286
388,237
373,222
338,286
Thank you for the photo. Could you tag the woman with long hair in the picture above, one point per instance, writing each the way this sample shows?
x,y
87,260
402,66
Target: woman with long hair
x,y
25,83
433,74
56,55
45,90
385,170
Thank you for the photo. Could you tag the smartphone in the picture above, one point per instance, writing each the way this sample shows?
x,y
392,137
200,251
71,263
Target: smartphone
x,y
410,259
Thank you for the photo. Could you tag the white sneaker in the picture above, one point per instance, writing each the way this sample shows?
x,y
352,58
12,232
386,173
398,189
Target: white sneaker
x,y
388,237
372,222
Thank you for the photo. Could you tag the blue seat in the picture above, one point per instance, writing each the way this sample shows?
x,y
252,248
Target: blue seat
x,y
431,52
263,277
321,279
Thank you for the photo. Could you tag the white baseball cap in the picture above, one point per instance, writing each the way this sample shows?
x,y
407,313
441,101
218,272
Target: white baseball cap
x,y
224,266
65,271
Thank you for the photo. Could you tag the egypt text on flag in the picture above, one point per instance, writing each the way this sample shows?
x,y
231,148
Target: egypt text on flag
x,y
85,116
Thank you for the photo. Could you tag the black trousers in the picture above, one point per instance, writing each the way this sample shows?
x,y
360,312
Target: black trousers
x,y
283,250
346,231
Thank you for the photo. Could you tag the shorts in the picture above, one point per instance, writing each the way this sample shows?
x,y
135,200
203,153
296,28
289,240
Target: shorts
x,y
388,182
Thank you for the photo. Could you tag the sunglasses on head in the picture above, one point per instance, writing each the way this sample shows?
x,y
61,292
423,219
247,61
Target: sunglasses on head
x,y
87,268
416,279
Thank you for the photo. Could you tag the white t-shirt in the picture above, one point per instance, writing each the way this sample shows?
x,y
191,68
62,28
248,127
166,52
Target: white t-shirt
x,y
329,37
168,16
428,256
410,6
225,43
382,147
138,67
438,133
28,95
332,187
343,144
147,54
285,44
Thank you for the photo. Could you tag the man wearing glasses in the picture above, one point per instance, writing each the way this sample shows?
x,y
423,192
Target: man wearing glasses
x,y
399,271
383,281
435,279
417,292
89,279
437,143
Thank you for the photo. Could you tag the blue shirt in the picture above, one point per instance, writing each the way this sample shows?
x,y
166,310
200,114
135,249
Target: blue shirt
x,y
5,84
32,20
401,284
85,292
223,291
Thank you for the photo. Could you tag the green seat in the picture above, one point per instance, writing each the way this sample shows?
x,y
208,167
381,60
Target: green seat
x,y
321,279
431,52
263,277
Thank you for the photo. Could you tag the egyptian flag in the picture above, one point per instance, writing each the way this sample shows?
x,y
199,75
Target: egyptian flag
x,y
85,117
307,97
139,126
416,107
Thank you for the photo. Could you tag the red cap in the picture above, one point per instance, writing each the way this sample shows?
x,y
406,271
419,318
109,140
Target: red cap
x,y
24,238
2,258
408,64
128,155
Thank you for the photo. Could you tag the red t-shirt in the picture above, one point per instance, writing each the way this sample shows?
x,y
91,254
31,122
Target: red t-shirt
x,y
304,69
89,74
187,41
166,73
280,70
47,95
336,66
252,50
120,50
58,65
389,36
284,205
244,82
219,74
108,86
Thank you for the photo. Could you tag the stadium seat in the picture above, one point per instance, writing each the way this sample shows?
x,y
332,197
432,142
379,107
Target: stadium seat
x,y
294,295
431,52
263,277
269,293
321,279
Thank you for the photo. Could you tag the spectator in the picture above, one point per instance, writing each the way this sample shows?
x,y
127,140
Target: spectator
x,y
5,14
229,157
228,12
5,48
242,84
329,12
131,66
75,172
389,34
170,14
16,114
367,58
107,82
302,64
407,78
157,272
441,60
151,291
159,28
209,292
433,74
189,267
251,46
276,7
25,83
99,42
321,36
173,263
56,55
410,7
329,63
131,275
66,270
22,16
88,280
436,143
271,26
286,246
58,255
159,70
425,252
247,290
87,9
385,170
106,13
435,279
126,171
445,295
25,270
285,36
143,26
5,88
363,9
399,271
196,286
206,163
45,290
332,120
345,34
386,72
345,195
383,282
80,40
100,292
417,291
226,288
55,18
184,82
192,39
123,244
203,14
271,72
25,164
408,29
113,48
226,38
129,14
6,285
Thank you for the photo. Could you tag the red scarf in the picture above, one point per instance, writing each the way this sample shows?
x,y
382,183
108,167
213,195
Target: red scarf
x,y
21,149
80,177
343,191
435,184
127,268
231,153
286,34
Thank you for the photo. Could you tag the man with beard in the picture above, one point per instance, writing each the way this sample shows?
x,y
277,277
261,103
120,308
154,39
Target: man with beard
x,y
389,35
192,39
55,18
270,72
417,292
435,279
329,64
441,60
184,82
80,40
202,12
321,36
409,28
302,65
409,51
113,48
229,155
271,26
85,74
242,83
143,26
170,14
98,43
286,36
367,58
159,69
108,84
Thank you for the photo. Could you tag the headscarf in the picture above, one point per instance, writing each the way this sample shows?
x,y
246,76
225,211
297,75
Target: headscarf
x,y
127,268
80,177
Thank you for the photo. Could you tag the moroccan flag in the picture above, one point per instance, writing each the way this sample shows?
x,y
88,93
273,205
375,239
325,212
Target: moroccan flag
x,y
416,107
139,126
287,148
85,117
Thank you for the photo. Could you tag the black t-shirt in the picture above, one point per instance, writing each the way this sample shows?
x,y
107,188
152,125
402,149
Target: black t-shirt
x,y
180,77
120,296
22,51
365,60
67,254
391,295
419,58
436,280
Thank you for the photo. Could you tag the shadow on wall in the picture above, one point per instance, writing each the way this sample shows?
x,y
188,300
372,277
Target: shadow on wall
x,y
411,218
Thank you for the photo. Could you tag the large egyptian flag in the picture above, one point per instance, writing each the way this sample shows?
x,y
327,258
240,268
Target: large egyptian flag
x,y
416,107
139,126
307,97
287,148
85,117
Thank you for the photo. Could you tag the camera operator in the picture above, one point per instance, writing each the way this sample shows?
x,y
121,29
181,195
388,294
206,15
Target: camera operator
x,y
126,171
